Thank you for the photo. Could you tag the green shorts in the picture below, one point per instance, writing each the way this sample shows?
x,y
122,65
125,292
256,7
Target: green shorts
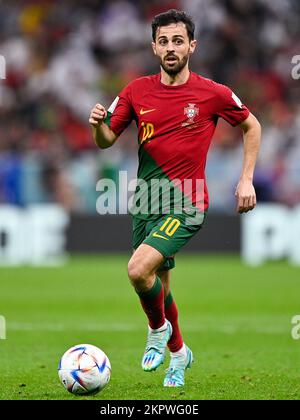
x,y
167,233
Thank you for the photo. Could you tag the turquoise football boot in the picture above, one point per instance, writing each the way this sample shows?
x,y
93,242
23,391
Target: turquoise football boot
x,y
178,364
156,348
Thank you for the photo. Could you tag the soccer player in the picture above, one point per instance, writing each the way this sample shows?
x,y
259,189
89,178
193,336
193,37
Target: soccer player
x,y
176,113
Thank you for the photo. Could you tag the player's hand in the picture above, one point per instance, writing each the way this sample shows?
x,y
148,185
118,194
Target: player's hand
x,y
246,197
98,115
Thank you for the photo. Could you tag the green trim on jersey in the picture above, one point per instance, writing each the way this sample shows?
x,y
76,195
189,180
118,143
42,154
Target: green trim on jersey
x,y
156,194
108,118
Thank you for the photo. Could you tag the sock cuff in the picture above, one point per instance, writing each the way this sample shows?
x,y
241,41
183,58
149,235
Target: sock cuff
x,y
153,292
168,300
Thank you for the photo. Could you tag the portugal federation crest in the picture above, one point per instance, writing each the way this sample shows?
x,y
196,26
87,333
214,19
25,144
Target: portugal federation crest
x,y
191,112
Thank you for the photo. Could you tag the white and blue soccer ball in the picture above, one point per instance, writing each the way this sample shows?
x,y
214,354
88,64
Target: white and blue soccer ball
x,y
84,369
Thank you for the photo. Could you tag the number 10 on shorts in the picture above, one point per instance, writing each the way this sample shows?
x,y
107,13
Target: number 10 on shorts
x,y
170,226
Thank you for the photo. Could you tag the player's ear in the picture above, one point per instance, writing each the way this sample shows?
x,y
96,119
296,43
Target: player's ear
x,y
193,45
154,48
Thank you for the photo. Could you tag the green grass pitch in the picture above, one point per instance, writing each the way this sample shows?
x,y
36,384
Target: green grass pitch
x,y
236,319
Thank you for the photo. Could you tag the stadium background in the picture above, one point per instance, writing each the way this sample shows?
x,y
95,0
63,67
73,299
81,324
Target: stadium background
x,y
62,58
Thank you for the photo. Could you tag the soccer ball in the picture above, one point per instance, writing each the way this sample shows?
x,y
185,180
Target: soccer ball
x,y
84,369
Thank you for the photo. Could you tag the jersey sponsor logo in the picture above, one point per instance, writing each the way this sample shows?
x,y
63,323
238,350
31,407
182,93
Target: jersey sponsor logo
x,y
237,100
191,111
146,111
157,235
114,105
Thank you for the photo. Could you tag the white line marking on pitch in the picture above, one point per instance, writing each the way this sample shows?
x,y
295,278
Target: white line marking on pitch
x,y
224,329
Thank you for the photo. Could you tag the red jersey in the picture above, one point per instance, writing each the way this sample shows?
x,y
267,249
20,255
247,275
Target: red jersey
x,y
175,125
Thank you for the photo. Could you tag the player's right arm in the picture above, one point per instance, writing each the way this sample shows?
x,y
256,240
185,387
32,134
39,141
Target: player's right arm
x,y
103,136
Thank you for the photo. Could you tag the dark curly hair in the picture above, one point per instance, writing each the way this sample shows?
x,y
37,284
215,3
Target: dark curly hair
x,y
173,16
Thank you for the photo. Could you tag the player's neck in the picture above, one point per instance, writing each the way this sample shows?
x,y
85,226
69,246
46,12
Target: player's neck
x,y
179,79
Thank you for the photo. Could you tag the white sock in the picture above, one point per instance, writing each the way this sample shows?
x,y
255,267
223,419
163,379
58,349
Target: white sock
x,y
160,329
181,352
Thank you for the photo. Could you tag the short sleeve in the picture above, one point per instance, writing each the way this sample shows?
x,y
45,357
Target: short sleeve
x,y
229,107
120,113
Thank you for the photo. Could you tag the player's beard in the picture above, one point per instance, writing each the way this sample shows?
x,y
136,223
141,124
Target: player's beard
x,y
174,69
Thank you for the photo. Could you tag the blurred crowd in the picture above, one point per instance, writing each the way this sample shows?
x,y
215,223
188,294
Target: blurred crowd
x,y
62,57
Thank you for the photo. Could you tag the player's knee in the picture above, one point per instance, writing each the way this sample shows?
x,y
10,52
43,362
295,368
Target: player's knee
x,y
137,273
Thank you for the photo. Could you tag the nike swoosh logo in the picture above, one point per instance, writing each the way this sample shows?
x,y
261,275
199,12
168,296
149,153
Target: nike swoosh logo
x,y
142,111
157,235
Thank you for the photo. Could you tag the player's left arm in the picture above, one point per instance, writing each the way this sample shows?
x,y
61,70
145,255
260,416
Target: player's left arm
x,y
245,192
